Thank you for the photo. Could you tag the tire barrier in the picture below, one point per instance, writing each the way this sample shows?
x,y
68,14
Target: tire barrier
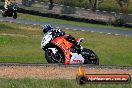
x,y
70,18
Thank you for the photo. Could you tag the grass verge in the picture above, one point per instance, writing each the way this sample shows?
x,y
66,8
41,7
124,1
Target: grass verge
x,y
55,83
21,43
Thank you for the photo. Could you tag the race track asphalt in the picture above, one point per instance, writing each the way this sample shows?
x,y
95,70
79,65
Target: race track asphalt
x,y
82,28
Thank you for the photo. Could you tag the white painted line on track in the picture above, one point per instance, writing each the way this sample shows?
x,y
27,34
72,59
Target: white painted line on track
x,y
120,13
34,24
11,21
82,30
100,32
25,23
82,8
58,27
112,12
92,31
117,34
67,28
41,25
74,29
108,33
104,11
97,10
18,22
76,7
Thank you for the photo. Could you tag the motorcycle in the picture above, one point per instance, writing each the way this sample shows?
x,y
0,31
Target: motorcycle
x,y
10,12
60,50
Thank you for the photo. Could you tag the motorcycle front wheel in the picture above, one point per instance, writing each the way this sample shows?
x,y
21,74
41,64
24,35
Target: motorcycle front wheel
x,y
90,57
54,58
4,15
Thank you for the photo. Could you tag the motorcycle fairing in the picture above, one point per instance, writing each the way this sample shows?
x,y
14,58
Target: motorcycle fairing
x,y
76,59
46,39
62,43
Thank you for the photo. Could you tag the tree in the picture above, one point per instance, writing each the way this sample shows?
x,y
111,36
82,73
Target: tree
x,y
94,4
51,2
123,5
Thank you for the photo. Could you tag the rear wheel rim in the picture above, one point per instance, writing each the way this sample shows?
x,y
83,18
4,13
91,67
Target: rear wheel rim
x,y
92,59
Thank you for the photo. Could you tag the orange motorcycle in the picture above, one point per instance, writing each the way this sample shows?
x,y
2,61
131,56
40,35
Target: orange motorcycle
x,y
60,50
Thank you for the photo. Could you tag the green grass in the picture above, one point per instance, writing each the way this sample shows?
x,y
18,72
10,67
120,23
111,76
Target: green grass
x,y
22,46
55,83
54,20
21,43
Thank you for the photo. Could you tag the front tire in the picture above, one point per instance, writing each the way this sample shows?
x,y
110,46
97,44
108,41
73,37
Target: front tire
x,y
54,58
3,14
90,57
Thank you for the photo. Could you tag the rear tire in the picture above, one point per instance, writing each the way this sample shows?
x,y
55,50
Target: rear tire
x,y
14,15
90,57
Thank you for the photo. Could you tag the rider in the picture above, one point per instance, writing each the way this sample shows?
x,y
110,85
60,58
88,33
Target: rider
x,y
58,32
7,4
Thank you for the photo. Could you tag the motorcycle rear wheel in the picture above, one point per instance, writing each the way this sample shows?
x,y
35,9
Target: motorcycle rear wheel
x,y
90,57
14,15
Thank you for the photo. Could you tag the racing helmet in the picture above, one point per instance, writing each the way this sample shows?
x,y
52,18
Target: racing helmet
x,y
47,28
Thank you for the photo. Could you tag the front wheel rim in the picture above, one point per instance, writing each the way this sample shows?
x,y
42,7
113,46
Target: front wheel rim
x,y
52,56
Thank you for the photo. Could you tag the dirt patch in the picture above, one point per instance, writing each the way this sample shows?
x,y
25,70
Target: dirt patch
x,y
42,72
